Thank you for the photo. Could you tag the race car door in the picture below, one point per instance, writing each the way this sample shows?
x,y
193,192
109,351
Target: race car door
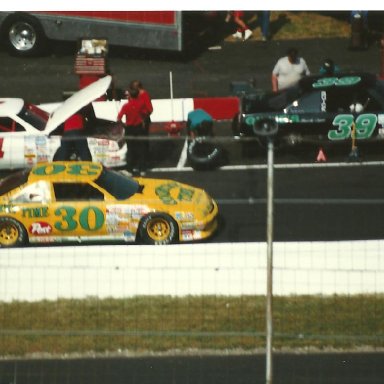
x,y
78,211
310,115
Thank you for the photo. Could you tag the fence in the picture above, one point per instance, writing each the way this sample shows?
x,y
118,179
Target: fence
x,y
197,312
123,301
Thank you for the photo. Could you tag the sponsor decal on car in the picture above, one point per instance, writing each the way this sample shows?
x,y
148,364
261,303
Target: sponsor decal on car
x,y
40,228
70,169
34,212
184,216
129,235
164,193
279,118
89,218
323,96
6,208
41,140
187,235
336,81
123,218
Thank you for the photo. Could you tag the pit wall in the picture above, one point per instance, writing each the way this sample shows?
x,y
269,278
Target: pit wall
x,y
300,268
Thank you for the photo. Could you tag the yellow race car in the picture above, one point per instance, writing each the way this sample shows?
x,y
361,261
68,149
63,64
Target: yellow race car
x,y
84,201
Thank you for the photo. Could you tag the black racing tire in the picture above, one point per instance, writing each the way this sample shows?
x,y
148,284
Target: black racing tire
x,y
203,154
158,229
23,35
12,233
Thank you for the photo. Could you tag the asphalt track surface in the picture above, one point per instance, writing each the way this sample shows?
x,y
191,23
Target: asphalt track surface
x,y
311,202
202,74
315,368
318,202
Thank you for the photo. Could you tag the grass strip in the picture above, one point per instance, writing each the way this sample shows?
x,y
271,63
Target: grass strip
x,y
162,323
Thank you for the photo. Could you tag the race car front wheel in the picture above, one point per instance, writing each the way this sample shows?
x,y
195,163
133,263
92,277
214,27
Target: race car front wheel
x,y
12,233
157,229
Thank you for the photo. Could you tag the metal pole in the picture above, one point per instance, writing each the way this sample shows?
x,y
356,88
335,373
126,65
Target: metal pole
x,y
171,91
269,327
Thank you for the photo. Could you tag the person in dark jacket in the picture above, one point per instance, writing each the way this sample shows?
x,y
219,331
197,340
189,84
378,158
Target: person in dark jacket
x,y
74,140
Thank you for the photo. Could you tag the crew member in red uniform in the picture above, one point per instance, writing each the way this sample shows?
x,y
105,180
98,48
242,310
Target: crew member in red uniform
x,y
73,140
135,113
146,98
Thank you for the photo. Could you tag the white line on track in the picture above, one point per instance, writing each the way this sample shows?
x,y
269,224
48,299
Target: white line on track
x,y
309,201
183,156
181,168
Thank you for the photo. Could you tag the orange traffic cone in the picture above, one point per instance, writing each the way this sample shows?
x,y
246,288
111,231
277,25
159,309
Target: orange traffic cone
x,y
321,156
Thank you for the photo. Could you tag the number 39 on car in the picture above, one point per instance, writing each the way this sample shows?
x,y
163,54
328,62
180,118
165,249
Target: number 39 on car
x,y
84,201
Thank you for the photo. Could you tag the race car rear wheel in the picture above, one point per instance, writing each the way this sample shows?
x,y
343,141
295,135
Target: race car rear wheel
x,y
265,128
23,35
12,233
158,228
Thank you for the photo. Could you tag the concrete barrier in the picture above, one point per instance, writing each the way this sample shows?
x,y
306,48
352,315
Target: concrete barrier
x,y
37,273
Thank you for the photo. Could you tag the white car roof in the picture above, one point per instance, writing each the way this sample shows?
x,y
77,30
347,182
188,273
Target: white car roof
x,y
77,101
10,106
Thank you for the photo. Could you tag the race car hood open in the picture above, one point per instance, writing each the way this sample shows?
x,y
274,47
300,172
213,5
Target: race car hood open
x,y
77,101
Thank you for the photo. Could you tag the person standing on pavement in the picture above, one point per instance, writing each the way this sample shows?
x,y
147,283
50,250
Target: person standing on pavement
x,y
74,140
135,112
243,31
146,98
265,16
289,70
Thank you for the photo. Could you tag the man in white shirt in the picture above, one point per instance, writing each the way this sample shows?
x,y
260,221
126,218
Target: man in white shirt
x,y
288,70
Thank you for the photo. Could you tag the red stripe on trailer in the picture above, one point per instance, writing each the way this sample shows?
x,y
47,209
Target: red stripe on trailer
x,y
144,17
220,108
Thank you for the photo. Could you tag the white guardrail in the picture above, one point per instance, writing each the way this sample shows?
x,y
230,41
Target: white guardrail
x,y
37,273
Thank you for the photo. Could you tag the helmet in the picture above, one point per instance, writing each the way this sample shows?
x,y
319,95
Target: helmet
x,y
329,66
